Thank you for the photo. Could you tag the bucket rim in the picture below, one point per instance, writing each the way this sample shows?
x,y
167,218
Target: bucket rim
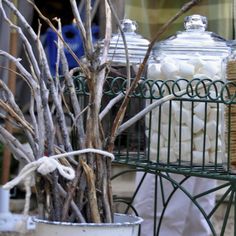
x,y
134,220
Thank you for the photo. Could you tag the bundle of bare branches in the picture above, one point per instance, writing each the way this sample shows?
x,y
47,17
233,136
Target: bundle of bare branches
x,y
75,186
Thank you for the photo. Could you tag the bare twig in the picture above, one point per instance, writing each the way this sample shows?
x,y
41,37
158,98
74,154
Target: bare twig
x,y
60,36
91,192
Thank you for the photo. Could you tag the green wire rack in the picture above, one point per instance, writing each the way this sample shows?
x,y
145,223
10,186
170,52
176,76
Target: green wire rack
x,y
135,145
139,147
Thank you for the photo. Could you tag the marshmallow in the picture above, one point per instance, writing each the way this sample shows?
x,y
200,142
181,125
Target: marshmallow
x,y
211,129
165,129
197,124
153,154
213,114
197,62
215,147
156,139
185,148
210,68
185,133
201,110
198,142
169,69
154,72
155,89
216,159
154,115
169,142
213,95
165,108
201,76
216,77
189,104
165,118
186,70
155,125
181,84
213,104
186,157
198,157
154,120
185,116
164,155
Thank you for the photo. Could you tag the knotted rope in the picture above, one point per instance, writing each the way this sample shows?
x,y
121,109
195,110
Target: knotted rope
x,y
46,165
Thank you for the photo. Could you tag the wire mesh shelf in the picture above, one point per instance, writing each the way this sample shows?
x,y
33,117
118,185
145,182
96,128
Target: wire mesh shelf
x,y
184,126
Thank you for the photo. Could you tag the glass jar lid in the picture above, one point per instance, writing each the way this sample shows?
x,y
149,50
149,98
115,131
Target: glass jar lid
x,y
194,38
136,44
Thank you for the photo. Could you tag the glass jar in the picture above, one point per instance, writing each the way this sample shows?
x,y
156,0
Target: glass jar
x,y
137,45
188,129
136,48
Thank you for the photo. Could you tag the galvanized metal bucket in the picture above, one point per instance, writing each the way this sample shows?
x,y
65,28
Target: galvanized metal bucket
x,y
124,225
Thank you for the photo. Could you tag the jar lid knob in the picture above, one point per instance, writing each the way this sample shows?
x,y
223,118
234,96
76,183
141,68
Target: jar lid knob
x,y
195,22
128,25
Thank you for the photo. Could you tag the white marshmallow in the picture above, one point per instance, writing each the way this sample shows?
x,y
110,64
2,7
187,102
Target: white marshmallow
x,y
199,110
155,88
153,154
169,69
181,84
165,129
156,139
188,104
154,117
154,120
186,70
213,104
198,142
184,146
186,157
169,142
197,62
213,96
165,118
210,68
213,145
211,129
198,157
182,115
164,155
216,77
214,159
198,124
213,114
201,76
185,133
165,108
154,72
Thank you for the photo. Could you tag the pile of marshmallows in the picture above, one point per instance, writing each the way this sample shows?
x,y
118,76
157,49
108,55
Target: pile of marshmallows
x,y
188,130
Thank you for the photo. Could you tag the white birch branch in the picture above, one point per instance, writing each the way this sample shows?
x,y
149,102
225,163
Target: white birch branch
x,y
111,103
15,146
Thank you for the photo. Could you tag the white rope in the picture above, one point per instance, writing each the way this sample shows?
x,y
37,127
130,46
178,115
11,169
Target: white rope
x,y
46,165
